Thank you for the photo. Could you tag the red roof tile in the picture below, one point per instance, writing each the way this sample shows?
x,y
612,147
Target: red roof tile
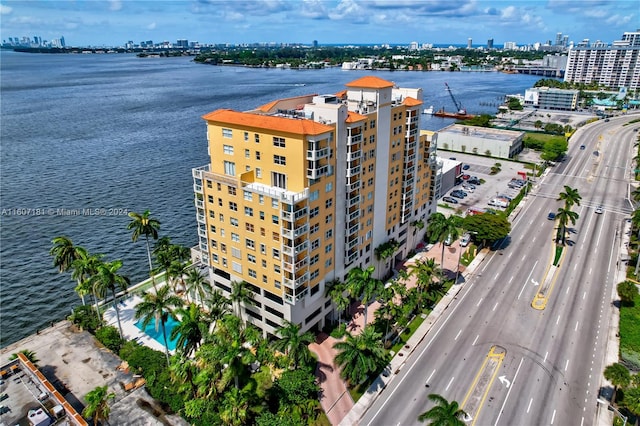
x,y
370,82
268,122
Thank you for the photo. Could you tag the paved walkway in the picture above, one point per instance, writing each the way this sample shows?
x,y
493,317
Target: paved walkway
x,y
336,400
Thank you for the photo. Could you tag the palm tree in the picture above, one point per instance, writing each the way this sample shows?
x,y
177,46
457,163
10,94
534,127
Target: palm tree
x,y
293,344
360,355
183,371
564,216
239,294
97,406
361,285
424,270
84,268
64,253
107,278
444,413
234,409
570,196
159,307
30,355
197,284
233,352
335,291
441,228
217,308
386,313
632,400
191,330
143,224
619,376
627,292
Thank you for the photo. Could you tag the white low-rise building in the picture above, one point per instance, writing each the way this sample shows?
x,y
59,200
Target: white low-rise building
x,y
481,140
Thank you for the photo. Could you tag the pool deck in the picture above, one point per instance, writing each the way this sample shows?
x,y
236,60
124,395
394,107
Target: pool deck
x,y
127,310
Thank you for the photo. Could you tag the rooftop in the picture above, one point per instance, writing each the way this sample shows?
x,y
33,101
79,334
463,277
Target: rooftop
x,y
481,132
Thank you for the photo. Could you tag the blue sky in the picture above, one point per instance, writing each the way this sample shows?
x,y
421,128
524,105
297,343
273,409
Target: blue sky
x,y
114,22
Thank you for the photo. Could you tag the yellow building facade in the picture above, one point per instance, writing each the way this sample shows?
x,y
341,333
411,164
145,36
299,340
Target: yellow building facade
x,y
301,190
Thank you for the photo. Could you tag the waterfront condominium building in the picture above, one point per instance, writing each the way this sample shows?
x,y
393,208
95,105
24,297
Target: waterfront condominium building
x,y
612,66
301,190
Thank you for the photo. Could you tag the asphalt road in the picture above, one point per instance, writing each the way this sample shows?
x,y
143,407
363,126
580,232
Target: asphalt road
x,y
549,363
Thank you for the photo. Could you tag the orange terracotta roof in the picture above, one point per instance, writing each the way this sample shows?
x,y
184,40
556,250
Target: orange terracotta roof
x,y
267,107
267,122
411,101
370,82
353,117
341,94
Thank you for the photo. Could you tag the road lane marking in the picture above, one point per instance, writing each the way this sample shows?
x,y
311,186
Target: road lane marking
x,y
590,270
582,421
479,302
495,306
567,292
545,356
513,382
475,340
496,277
529,407
431,375
584,296
575,267
511,279
553,416
558,320
524,257
566,365
458,335
450,381
527,280
577,323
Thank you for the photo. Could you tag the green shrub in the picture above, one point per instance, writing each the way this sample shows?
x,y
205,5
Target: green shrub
x,y
85,318
630,334
110,337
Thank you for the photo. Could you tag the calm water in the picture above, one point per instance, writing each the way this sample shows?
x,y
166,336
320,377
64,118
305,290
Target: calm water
x,y
121,133
157,335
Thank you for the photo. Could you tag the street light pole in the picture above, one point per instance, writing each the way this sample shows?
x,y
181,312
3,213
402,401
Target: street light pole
x,y
614,409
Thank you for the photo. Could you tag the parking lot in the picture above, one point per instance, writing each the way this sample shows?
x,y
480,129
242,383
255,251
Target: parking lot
x,y
493,186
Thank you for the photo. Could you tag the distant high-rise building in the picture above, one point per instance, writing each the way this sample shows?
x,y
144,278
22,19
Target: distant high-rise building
x,y
559,39
611,66
315,44
565,41
183,43
469,43
490,43
510,45
62,42
413,45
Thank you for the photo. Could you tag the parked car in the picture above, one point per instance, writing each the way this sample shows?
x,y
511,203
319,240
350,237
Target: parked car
x,y
450,200
582,147
606,120
474,180
551,216
452,158
469,188
456,194
448,240
465,177
464,241
506,197
465,167
599,210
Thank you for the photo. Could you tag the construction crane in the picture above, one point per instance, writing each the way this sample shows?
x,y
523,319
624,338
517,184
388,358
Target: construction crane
x,y
458,105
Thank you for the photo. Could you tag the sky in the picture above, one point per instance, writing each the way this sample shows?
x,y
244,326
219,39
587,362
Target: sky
x,y
114,22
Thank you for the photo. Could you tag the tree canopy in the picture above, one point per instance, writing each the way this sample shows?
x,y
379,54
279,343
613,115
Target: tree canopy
x,y
487,227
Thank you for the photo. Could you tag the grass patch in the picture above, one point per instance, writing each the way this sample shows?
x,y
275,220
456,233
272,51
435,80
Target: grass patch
x,y
263,381
322,420
514,203
630,333
469,255
408,332
445,206
556,258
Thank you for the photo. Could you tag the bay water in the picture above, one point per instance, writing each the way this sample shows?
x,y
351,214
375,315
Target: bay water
x,y
85,139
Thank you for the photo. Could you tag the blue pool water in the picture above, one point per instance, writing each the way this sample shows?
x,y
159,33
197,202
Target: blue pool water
x,y
157,335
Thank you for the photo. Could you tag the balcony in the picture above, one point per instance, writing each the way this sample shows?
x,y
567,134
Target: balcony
x,y
197,188
297,215
293,267
314,155
354,139
203,247
199,203
353,229
201,219
301,247
294,284
317,172
352,244
197,172
353,171
353,216
354,201
295,233
291,299
354,155
202,233
351,258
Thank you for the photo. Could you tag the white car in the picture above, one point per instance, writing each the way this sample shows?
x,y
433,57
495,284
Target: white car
x,y
464,241
599,210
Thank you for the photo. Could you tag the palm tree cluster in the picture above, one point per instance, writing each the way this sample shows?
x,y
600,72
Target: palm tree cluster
x,y
565,215
626,387
215,373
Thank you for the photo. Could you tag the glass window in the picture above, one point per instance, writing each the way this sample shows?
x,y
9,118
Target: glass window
x,y
248,211
280,159
250,244
235,237
229,168
227,133
279,142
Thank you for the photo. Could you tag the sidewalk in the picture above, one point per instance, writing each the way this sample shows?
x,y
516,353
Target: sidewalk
x,y
398,360
604,417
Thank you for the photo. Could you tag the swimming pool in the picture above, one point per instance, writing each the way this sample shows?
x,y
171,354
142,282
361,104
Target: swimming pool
x,y
157,335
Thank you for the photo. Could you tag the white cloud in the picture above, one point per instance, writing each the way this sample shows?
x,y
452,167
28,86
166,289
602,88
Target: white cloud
x,y
151,26
508,12
5,10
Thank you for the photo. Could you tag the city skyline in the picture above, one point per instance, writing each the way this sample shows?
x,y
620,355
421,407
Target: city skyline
x,y
114,22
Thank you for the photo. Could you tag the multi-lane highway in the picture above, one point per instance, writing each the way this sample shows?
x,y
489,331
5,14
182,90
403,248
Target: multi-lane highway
x,y
506,362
